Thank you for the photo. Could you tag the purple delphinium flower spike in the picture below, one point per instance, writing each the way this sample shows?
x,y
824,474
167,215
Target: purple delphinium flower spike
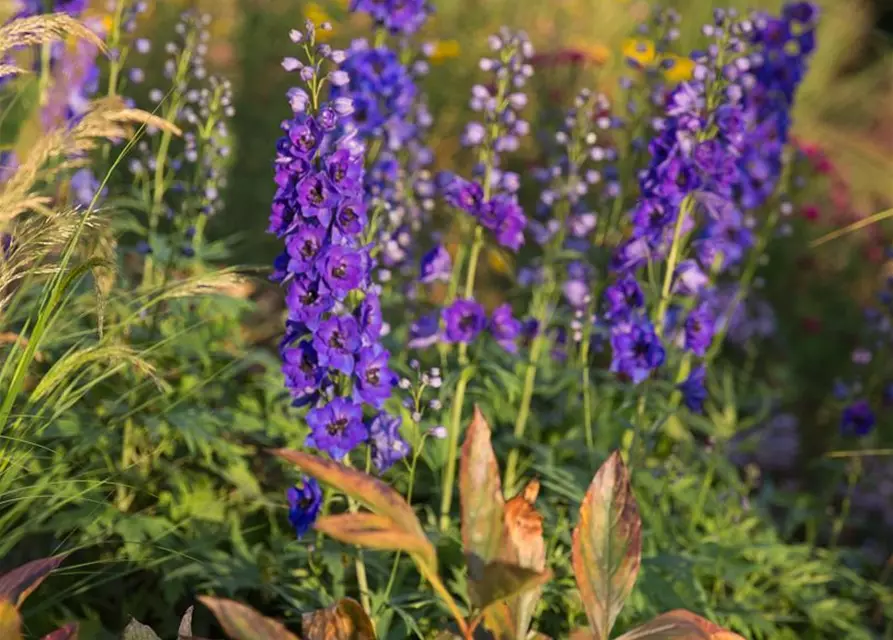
x,y
332,356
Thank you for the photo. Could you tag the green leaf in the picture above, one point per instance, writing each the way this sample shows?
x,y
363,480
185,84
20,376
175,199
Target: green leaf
x,y
607,546
346,620
375,532
501,581
18,584
68,632
679,625
482,504
136,630
244,623
370,491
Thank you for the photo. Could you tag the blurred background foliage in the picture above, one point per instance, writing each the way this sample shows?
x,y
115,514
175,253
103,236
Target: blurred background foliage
x,y
846,104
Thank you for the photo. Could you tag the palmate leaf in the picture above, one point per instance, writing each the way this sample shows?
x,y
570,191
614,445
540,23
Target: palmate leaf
x,y
244,623
346,620
680,625
607,546
18,584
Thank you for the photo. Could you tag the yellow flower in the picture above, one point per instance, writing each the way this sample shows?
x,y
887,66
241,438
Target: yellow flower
x,y
499,262
444,49
317,15
681,70
642,51
596,52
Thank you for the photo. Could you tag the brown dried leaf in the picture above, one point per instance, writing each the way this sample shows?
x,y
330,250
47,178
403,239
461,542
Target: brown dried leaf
x,y
68,632
524,545
136,630
244,623
680,624
501,581
184,631
18,584
481,501
607,545
10,621
375,532
346,620
370,491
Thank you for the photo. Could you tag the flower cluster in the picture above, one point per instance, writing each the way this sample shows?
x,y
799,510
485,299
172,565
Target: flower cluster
x,y
397,16
390,116
493,201
716,154
332,354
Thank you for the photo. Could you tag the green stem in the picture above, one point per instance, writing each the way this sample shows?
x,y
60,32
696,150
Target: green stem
x,y
511,467
449,476
672,259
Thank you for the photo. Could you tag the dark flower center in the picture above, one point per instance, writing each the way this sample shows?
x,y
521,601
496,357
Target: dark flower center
x,y
316,193
348,215
337,427
373,376
309,298
306,140
340,172
466,323
308,250
641,349
336,340
340,270
305,503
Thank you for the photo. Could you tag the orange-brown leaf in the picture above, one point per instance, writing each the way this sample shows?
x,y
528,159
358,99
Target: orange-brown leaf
x,y
482,504
18,584
10,621
524,545
607,546
680,624
244,623
375,532
68,632
370,491
346,620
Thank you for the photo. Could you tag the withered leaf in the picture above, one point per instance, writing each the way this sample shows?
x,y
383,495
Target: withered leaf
x,y
371,492
524,545
375,532
10,621
680,624
68,632
185,629
502,581
136,630
244,623
607,546
480,493
18,584
346,620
